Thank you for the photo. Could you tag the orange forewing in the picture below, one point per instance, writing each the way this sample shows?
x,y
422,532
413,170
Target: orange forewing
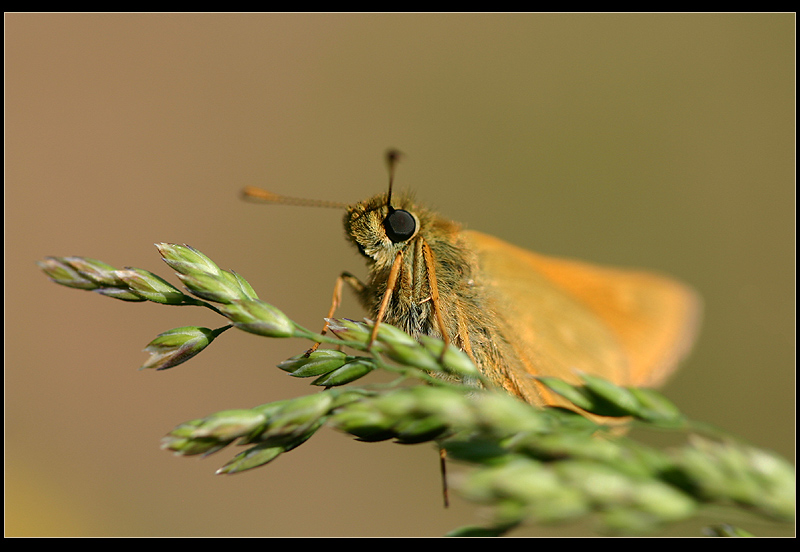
x,y
562,317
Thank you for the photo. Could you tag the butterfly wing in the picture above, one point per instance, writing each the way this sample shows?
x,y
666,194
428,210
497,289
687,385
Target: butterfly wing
x,y
562,316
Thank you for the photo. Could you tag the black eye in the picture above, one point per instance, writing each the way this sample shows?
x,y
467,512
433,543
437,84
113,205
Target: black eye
x,y
399,225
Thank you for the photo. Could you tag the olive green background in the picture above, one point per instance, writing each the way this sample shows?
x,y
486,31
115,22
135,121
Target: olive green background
x,y
663,141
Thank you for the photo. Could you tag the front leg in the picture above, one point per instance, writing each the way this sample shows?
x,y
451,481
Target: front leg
x,y
355,284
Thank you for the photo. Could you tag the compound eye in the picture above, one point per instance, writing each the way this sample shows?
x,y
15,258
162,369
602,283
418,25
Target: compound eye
x,y
400,225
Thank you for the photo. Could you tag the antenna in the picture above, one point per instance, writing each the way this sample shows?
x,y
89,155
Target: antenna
x,y
392,157
265,196
257,194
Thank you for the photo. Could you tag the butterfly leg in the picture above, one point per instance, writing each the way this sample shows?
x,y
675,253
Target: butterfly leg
x,y
344,278
390,283
434,287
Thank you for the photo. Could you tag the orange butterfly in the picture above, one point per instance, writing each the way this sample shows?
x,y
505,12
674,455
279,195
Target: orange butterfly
x,y
516,313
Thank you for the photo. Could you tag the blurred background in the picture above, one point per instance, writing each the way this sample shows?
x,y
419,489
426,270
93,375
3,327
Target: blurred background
x,y
662,141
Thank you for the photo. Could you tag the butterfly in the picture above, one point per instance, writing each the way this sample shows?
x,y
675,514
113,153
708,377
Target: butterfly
x,y
519,315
